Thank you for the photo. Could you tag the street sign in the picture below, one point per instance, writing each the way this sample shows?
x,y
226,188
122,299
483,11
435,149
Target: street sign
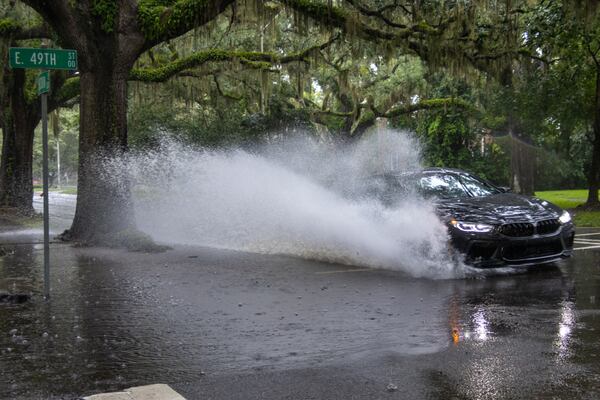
x,y
43,82
26,57
44,59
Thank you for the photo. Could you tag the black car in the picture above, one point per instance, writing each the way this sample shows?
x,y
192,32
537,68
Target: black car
x,y
489,225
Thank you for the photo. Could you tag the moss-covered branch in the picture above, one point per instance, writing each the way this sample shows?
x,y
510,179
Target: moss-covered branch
x,y
429,104
368,118
8,26
162,74
68,91
342,18
256,60
161,20
11,28
379,13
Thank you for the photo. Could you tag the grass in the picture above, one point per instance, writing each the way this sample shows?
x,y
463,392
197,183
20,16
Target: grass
x,y
570,199
13,218
68,190
63,190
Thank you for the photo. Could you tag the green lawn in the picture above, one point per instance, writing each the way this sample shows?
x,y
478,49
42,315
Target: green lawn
x,y
64,189
570,199
68,190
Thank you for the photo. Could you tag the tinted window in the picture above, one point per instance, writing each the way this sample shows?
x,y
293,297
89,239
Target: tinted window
x,y
390,188
441,185
476,187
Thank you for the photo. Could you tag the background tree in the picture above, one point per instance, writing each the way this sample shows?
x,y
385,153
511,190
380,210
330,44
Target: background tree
x,y
20,110
570,36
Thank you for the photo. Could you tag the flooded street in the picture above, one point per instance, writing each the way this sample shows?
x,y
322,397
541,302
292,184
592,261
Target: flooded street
x,y
219,324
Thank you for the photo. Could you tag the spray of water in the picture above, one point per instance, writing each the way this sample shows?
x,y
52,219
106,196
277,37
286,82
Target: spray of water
x,y
296,197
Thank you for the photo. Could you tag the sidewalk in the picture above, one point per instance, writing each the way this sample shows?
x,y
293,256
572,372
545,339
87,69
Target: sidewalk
x,y
149,392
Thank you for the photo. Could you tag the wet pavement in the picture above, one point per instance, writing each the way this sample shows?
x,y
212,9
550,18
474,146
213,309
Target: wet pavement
x,y
217,324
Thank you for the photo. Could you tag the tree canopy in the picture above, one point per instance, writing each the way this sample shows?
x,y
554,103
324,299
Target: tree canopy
x,y
481,83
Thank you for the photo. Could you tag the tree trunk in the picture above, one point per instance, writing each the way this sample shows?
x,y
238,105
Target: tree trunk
x,y
522,154
19,120
522,165
594,172
103,195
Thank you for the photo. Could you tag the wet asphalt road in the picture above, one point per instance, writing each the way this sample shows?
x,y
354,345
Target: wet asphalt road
x,y
218,324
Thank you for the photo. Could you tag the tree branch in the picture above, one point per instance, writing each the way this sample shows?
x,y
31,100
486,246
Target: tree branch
x,y
428,104
161,20
376,13
255,60
341,18
220,91
11,28
67,92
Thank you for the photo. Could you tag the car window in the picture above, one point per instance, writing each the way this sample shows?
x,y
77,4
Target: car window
x,y
476,187
441,185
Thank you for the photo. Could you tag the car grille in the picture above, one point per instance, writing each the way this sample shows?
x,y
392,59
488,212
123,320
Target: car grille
x,y
547,226
531,250
518,229
523,229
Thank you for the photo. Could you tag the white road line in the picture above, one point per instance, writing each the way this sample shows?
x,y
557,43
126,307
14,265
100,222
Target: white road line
x,y
587,247
587,234
587,241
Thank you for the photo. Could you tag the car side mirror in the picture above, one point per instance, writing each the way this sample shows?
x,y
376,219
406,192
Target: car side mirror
x,y
505,189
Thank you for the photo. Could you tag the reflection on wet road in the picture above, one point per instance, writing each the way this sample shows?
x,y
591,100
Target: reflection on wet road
x,y
192,317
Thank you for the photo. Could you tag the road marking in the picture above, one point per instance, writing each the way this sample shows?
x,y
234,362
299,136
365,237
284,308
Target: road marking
x,y
587,241
341,271
587,234
587,247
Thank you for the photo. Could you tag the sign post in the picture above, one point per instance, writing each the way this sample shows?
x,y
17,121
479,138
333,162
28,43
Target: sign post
x,y
44,59
43,88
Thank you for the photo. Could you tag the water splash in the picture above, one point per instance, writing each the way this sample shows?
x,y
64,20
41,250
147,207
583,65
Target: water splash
x,y
295,197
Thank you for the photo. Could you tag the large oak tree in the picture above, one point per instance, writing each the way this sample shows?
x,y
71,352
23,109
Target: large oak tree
x,y
109,36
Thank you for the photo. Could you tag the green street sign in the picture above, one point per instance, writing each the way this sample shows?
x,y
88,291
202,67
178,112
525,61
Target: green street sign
x,y
25,57
43,82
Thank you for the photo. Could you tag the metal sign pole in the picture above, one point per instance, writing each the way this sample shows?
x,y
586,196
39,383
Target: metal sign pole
x,y
46,195
44,59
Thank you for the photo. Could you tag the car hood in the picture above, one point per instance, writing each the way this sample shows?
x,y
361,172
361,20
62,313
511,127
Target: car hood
x,y
498,209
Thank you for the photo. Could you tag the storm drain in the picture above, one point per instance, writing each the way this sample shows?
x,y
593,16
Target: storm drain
x,y
19,298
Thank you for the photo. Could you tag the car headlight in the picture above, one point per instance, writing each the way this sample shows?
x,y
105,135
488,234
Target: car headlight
x,y
471,226
564,218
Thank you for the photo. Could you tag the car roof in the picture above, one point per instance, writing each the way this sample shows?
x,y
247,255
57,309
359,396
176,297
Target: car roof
x,y
428,170
442,169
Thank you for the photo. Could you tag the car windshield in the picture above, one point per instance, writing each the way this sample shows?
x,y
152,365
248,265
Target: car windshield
x,y
453,185
477,187
438,184
447,185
